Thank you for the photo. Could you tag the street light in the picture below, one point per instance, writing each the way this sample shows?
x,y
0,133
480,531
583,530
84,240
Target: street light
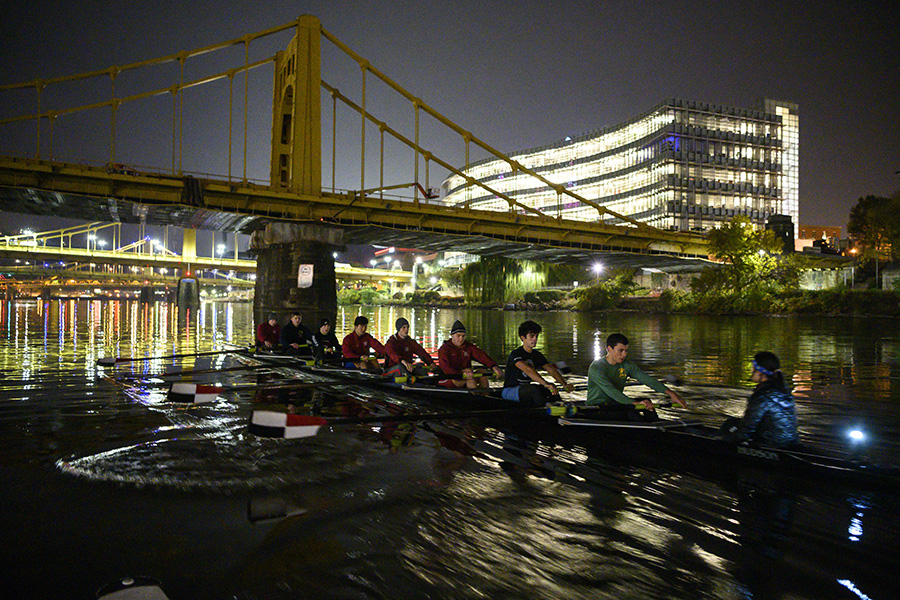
x,y
221,249
597,268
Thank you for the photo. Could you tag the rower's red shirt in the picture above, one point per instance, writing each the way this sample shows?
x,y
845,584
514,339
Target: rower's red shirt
x,y
404,349
355,346
268,333
452,359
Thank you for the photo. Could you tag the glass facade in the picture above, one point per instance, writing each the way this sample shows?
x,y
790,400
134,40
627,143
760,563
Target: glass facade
x,y
682,166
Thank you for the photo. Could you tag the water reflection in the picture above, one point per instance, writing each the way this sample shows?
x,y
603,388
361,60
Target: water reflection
x,y
432,507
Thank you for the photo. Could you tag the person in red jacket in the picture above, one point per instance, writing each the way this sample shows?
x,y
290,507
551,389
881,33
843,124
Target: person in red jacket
x,y
268,332
455,360
357,346
401,351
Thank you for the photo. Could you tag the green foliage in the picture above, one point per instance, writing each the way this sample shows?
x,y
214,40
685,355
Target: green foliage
x,y
605,294
500,280
365,296
675,301
452,277
750,260
544,296
875,225
839,301
566,274
425,297
752,278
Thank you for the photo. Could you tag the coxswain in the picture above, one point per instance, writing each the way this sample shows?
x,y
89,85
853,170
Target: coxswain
x,y
268,333
455,361
326,344
358,345
770,418
522,371
607,377
401,350
296,338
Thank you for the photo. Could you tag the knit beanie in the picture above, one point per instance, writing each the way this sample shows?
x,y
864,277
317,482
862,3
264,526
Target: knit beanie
x,y
457,327
401,323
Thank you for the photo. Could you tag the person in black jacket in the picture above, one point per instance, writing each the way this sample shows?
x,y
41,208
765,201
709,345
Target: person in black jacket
x,y
296,338
325,344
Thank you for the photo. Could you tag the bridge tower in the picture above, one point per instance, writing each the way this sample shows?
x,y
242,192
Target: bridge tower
x,y
295,262
297,114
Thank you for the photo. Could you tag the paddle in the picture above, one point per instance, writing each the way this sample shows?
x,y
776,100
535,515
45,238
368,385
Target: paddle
x,y
108,361
267,423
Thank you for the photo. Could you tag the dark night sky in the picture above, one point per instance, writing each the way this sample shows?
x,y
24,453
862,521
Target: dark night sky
x,y
523,74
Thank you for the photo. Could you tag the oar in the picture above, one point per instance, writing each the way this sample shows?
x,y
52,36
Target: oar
x,y
192,372
196,393
268,423
108,361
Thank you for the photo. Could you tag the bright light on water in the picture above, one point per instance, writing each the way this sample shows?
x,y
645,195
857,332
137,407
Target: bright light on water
x,y
856,435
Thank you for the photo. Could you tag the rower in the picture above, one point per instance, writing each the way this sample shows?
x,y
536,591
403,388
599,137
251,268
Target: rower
x,y
357,346
268,333
455,360
770,418
325,342
521,371
296,337
401,349
607,376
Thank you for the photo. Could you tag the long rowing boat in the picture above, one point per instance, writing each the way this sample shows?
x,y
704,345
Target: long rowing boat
x,y
680,442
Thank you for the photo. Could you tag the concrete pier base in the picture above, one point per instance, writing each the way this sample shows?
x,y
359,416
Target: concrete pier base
x,y
295,272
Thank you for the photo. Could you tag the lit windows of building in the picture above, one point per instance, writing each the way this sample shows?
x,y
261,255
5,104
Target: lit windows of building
x,y
682,166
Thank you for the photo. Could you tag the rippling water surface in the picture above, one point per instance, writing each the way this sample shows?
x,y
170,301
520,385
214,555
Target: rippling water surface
x,y
104,478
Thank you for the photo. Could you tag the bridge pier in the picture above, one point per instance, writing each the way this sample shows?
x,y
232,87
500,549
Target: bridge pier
x,y
188,292
295,271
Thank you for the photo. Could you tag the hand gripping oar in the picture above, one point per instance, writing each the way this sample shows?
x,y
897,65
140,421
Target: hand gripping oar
x,y
108,361
268,423
196,393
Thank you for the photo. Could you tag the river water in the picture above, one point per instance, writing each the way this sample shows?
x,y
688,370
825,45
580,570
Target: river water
x,y
104,478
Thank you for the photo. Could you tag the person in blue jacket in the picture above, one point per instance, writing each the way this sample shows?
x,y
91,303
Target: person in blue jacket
x,y
770,418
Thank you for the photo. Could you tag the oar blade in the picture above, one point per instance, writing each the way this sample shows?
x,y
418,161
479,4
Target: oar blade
x,y
107,361
268,423
193,393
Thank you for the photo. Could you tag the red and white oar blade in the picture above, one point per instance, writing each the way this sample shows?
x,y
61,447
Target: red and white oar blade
x,y
268,423
193,393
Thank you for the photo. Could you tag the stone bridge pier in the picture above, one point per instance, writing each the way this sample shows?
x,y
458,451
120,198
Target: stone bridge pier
x,y
295,271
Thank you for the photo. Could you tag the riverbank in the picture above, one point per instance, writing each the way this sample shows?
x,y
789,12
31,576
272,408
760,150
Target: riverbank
x,y
827,303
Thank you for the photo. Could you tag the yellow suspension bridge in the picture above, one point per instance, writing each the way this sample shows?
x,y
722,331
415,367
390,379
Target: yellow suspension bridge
x,y
105,177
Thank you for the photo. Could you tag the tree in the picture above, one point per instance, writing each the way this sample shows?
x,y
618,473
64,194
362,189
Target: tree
x,y
750,257
875,225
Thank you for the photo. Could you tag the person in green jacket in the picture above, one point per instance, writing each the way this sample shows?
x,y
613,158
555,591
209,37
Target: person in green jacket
x,y
607,376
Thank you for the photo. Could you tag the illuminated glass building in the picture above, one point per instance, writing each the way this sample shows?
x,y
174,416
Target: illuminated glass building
x,y
683,165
